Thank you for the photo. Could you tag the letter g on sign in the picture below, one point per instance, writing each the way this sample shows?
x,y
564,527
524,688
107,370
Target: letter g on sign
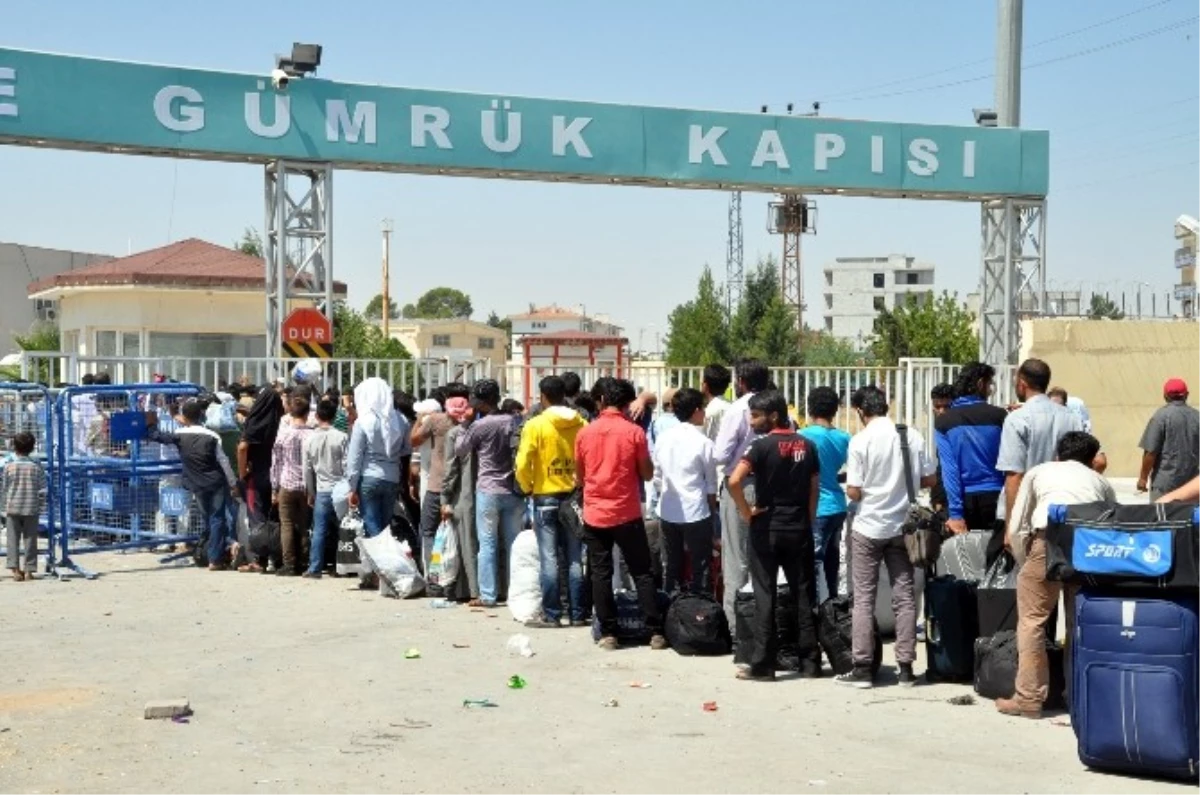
x,y
185,116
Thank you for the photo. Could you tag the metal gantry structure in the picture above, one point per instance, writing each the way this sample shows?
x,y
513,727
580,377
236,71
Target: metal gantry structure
x,y
298,244
1013,273
735,264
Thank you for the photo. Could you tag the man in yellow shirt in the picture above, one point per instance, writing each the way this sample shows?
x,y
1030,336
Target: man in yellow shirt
x,y
545,471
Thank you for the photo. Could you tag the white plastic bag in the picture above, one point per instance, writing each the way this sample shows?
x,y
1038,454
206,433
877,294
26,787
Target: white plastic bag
x,y
443,559
341,498
524,584
393,562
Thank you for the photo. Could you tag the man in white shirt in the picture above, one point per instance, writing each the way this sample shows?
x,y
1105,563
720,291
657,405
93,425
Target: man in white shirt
x,y
732,440
713,387
685,478
1069,480
875,479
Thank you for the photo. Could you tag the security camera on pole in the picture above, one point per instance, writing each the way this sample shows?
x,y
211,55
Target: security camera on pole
x,y
298,244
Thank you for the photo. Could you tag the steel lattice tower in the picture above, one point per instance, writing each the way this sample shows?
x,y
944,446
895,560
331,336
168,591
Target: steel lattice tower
x,y
735,266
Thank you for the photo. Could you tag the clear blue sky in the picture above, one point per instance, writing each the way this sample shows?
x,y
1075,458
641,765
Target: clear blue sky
x,y
1123,122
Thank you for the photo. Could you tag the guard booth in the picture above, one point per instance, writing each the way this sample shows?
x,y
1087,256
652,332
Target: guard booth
x,y
29,408
119,490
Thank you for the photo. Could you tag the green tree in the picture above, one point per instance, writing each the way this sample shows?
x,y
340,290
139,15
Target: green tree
x,y
374,309
822,349
776,339
42,336
495,321
251,243
759,289
440,302
1104,308
940,328
696,331
355,337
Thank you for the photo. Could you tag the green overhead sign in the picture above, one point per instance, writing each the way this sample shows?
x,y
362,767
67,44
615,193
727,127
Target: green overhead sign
x,y
83,103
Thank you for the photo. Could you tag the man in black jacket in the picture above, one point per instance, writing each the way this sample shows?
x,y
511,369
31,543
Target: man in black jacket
x,y
206,474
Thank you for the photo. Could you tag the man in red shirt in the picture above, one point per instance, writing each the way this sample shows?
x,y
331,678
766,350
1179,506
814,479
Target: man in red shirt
x,y
612,460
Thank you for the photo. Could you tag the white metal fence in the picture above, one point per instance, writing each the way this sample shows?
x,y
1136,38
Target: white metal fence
x,y
907,385
414,376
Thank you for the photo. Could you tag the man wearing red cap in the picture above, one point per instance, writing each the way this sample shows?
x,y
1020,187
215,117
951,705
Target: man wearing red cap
x,y
1170,443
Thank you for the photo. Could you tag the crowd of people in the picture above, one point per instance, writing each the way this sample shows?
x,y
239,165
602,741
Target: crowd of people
x,y
705,496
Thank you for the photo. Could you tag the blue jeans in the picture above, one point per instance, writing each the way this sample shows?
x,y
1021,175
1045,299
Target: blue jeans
x,y
377,499
214,508
827,552
495,514
551,535
324,522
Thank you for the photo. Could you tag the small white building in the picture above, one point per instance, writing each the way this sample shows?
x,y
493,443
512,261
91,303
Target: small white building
x,y
856,289
187,299
554,319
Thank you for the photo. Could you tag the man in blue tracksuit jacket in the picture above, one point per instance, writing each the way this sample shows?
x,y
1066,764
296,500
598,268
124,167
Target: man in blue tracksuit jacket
x,y
968,443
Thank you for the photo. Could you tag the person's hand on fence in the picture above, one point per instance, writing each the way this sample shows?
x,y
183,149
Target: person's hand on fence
x,y
353,499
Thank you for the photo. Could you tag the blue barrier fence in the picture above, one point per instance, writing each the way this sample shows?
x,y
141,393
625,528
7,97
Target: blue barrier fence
x,y
117,490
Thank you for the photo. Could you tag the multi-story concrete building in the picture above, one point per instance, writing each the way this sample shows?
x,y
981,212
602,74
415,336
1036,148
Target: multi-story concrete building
x,y
1187,229
857,288
457,339
29,264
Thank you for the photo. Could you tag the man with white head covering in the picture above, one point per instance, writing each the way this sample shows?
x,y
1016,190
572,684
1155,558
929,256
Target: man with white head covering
x,y
377,442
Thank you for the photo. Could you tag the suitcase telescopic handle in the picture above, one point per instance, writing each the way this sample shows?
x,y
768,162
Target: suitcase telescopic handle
x,y
933,632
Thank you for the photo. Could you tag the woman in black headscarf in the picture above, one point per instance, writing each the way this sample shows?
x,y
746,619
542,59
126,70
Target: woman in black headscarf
x,y
254,451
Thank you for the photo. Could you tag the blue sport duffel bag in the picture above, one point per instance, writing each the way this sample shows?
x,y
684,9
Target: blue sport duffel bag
x,y
1124,546
1134,691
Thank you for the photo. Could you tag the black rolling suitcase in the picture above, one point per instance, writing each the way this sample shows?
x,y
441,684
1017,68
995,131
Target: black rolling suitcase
x,y
951,627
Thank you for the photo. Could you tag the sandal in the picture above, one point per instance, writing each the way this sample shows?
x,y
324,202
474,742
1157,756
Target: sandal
x,y
475,603
18,575
250,567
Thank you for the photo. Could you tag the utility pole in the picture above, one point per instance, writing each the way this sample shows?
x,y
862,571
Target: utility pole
x,y
1013,283
1008,63
387,254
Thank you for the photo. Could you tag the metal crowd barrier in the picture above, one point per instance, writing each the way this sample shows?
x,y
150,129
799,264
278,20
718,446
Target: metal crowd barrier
x,y
28,408
119,490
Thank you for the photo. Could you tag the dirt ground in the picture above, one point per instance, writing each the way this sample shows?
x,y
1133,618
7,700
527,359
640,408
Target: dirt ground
x,y
304,686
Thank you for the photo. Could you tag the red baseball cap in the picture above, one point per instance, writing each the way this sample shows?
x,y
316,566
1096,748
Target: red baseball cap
x,y
1175,386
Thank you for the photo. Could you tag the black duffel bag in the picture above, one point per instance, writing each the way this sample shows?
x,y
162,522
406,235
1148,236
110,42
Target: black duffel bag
x,y
787,629
835,633
1124,546
631,625
996,662
695,625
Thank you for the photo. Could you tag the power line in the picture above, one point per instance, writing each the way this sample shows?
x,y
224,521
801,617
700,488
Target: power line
x,y
1191,136
1131,114
1134,175
1043,42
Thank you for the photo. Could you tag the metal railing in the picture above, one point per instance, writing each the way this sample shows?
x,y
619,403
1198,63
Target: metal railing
x,y
411,375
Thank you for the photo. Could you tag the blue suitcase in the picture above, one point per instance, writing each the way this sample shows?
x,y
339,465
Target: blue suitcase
x,y
1134,691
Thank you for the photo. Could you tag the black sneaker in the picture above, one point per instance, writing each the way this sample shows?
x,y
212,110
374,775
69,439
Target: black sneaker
x,y
859,678
286,572
311,575
907,677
